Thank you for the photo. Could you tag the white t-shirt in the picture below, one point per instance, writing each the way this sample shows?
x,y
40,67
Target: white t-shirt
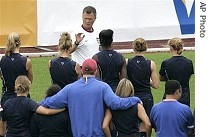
x,y
88,47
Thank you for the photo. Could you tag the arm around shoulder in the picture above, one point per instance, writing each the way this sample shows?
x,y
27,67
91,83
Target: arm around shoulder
x,y
124,103
48,111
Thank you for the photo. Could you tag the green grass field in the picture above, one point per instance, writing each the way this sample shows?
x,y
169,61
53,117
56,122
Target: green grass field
x,y
42,78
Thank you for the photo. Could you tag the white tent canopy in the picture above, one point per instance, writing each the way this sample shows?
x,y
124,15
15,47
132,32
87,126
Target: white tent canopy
x,y
150,19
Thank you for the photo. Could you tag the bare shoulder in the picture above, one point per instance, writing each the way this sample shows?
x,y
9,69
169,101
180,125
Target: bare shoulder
x,y
153,65
95,57
28,60
152,62
140,104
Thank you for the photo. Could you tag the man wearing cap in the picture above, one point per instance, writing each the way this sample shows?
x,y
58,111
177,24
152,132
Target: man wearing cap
x,y
86,100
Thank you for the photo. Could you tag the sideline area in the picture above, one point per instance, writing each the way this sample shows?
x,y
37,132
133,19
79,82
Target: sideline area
x,y
122,47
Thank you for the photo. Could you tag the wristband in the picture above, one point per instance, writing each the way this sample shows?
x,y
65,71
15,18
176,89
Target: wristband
x,y
75,43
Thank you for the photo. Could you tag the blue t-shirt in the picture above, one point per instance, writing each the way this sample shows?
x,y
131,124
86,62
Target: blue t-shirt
x,y
86,100
171,119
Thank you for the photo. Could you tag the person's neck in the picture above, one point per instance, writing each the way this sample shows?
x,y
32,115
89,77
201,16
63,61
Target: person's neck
x,y
107,48
174,53
86,75
88,29
16,50
170,97
22,94
139,53
64,54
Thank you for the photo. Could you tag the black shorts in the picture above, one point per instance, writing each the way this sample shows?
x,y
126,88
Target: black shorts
x,y
147,99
